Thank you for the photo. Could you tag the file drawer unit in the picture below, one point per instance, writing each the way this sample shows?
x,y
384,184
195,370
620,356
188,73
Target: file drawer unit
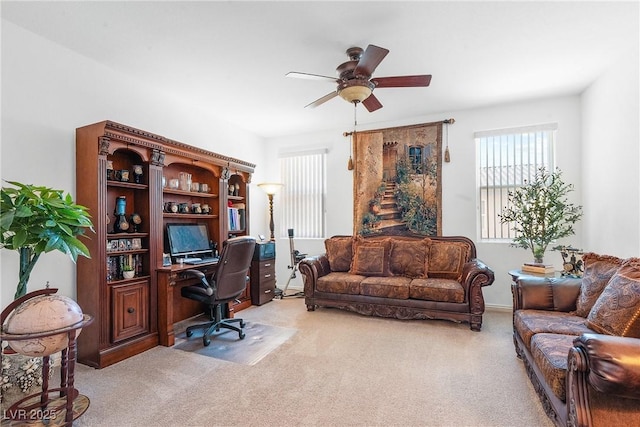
x,y
263,280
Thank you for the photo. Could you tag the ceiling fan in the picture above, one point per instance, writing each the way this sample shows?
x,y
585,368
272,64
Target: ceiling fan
x,y
354,78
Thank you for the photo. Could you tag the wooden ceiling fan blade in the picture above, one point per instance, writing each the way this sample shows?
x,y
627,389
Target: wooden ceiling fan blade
x,y
371,103
309,76
403,81
322,100
371,58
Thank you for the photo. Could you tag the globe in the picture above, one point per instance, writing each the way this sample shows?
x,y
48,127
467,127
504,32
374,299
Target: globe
x,y
41,314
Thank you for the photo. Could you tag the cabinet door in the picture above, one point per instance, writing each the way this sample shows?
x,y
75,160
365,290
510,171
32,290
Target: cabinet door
x,y
129,310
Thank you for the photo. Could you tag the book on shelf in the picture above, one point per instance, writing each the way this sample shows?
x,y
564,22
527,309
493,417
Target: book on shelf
x,y
534,267
236,214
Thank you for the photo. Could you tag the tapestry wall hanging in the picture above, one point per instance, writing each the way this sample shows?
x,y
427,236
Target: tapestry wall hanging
x,y
397,180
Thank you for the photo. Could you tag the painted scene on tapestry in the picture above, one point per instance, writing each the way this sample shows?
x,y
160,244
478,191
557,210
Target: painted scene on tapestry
x,y
397,180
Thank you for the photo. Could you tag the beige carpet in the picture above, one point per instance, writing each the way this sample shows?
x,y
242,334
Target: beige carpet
x,y
338,369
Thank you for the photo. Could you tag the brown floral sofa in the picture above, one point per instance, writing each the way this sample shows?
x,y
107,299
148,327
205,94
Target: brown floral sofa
x,y
402,276
578,339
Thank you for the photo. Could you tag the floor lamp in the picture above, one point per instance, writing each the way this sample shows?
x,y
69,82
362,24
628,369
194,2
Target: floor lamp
x,y
271,189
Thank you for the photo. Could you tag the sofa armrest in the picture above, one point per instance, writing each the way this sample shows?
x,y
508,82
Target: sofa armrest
x,y
475,275
545,293
611,363
311,269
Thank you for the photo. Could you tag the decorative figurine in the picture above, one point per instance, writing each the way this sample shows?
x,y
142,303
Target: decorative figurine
x,y
571,265
110,173
136,221
137,174
121,224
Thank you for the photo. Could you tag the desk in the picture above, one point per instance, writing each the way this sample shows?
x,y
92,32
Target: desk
x,y
172,307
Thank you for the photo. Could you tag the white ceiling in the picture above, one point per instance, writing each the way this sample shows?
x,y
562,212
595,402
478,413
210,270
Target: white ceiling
x,y
231,57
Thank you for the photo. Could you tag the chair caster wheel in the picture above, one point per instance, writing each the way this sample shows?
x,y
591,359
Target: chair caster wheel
x,y
206,342
242,324
189,333
242,335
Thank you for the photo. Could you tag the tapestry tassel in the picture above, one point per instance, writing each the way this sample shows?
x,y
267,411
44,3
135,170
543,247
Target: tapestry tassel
x,y
353,136
447,156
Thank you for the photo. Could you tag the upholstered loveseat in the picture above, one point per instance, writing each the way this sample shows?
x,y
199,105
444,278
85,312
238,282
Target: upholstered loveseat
x,y
578,339
402,276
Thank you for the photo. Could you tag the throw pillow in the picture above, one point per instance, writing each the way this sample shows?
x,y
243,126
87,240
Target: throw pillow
x,y
339,252
598,269
617,309
371,258
446,259
409,258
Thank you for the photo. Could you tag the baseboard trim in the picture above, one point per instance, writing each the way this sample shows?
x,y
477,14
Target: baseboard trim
x,y
500,308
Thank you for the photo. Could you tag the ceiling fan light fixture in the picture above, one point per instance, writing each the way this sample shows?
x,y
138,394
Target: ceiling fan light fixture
x,y
355,90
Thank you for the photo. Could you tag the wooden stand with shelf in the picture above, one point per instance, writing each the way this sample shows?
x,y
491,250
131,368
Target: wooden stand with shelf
x,y
127,311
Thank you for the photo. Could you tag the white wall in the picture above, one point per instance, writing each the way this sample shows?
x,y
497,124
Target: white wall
x,y
48,91
459,205
610,157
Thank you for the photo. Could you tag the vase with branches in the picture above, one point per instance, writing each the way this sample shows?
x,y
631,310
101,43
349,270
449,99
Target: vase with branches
x,y
539,212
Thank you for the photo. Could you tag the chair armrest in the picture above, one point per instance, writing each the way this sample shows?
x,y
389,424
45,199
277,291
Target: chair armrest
x,y
475,275
204,287
610,363
545,293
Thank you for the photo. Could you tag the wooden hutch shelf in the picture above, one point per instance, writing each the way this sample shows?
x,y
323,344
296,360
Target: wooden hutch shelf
x,y
122,168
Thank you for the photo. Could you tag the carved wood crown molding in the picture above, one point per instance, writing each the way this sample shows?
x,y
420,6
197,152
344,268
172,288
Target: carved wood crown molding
x,y
157,142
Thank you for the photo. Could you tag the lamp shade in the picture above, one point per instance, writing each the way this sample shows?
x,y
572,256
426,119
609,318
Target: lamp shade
x,y
270,187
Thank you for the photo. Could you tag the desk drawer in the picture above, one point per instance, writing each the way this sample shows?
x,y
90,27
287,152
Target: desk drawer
x,y
264,292
268,266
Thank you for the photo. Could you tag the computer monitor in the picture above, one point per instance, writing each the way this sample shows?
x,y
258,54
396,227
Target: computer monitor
x,y
187,240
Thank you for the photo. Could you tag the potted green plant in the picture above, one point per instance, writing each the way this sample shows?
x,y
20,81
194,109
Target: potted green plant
x,y
128,272
540,212
35,220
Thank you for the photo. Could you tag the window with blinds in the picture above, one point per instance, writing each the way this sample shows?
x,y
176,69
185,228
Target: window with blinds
x,y
303,195
508,158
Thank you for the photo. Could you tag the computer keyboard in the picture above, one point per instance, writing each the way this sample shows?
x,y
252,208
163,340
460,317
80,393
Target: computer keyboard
x,y
195,261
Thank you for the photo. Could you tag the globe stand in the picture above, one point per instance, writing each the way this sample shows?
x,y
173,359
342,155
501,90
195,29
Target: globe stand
x,y
50,407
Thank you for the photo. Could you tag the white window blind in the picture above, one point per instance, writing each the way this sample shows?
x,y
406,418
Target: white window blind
x,y
506,159
303,195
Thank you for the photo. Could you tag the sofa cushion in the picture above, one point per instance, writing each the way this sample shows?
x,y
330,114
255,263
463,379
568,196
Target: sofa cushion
x,y
617,309
340,283
386,287
598,269
371,258
549,352
339,252
409,258
527,323
446,259
442,290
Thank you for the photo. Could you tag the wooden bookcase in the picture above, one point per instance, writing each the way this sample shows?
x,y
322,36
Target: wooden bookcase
x,y
131,314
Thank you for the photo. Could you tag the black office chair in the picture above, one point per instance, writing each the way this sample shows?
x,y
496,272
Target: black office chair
x,y
226,284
